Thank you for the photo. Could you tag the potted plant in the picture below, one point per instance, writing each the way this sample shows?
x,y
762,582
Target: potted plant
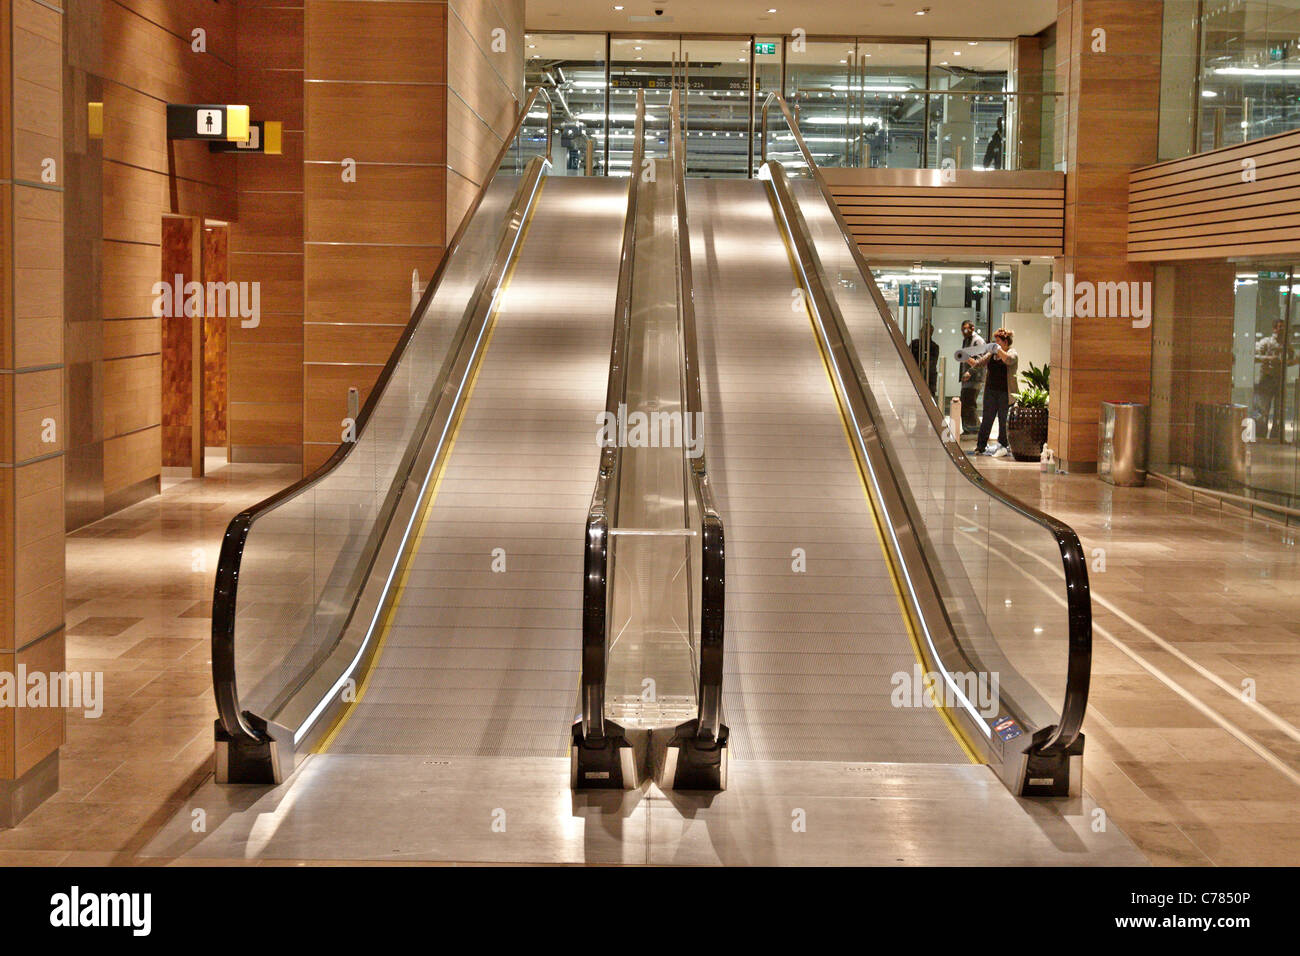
x,y
1027,418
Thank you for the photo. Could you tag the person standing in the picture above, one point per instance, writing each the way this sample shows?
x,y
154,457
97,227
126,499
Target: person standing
x,y
926,352
993,155
1003,366
1272,355
972,380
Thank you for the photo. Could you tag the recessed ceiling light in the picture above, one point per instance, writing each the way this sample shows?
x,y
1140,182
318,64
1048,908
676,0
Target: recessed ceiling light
x,y
956,52
771,9
618,6
923,11
972,43
636,48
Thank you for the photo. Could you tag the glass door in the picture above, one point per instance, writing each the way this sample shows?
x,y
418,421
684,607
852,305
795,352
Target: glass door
x,y
715,77
650,64
717,105
818,74
859,103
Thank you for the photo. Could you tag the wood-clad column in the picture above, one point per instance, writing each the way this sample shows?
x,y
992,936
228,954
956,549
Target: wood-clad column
x,y
32,421
265,362
485,85
1108,66
405,106
375,185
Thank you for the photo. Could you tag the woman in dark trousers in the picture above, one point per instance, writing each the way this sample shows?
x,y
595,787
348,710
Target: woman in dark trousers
x,y
999,385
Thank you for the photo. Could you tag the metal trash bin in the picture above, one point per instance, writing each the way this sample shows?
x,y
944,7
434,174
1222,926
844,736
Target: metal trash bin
x,y
1219,452
1122,451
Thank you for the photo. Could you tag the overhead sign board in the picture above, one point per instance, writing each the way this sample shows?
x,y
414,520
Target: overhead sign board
x,y
639,82
213,122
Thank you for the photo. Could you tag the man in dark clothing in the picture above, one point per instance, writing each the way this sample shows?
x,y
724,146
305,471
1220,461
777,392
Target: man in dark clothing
x,y
972,380
928,362
993,155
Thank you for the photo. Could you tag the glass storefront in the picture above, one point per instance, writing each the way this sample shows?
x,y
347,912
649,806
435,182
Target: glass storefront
x,y
952,293
1231,73
859,102
1226,359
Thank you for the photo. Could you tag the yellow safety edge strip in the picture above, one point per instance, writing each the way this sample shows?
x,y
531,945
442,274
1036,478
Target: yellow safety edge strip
x,y
909,616
413,548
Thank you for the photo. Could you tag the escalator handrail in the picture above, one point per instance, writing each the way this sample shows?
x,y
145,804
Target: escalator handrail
x,y
1078,600
712,576
233,719
597,593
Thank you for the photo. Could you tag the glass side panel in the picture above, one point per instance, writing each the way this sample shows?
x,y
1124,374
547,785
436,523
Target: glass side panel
x,y
998,572
304,560
651,668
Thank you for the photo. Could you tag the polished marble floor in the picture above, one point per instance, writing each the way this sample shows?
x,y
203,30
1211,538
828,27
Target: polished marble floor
x,y
1193,730
1192,603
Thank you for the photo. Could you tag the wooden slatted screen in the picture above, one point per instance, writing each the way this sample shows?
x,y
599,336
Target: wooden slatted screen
x,y
1237,201
915,214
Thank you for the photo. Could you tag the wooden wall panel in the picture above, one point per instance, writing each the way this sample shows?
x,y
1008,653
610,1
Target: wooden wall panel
x,y
1241,200
485,90
33,418
216,268
909,214
131,459
417,97
376,94
264,414
136,56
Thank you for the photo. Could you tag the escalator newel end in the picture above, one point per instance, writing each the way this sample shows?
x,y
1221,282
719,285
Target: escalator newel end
x,y
604,763
239,760
1052,775
692,762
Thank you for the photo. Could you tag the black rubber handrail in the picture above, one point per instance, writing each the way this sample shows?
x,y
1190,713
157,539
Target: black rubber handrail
x,y
1062,735
237,723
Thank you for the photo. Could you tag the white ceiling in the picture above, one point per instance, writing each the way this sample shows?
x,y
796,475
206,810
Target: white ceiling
x,y
946,18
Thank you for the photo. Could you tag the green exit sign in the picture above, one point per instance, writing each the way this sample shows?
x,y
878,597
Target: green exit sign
x,y
765,49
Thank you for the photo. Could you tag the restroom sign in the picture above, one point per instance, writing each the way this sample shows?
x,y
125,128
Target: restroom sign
x,y
264,138
211,122
217,123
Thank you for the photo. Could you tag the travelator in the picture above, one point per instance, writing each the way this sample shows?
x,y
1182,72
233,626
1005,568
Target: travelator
x,y
363,608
